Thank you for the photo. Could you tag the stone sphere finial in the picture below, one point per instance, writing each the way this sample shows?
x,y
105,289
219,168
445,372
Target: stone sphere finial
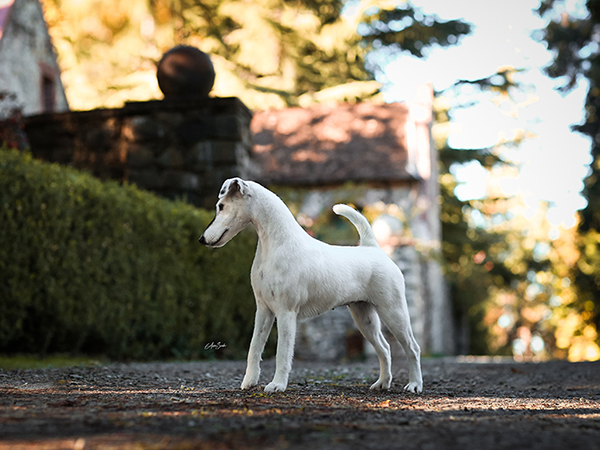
x,y
185,71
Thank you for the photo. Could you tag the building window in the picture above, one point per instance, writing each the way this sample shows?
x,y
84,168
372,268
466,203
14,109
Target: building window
x,y
48,96
48,88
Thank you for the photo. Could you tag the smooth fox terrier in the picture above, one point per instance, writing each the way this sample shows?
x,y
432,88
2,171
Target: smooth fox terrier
x,y
295,276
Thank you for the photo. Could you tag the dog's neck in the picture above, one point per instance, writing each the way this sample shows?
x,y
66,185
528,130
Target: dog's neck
x,y
274,222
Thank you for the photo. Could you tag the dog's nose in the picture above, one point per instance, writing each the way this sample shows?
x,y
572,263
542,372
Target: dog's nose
x,y
202,240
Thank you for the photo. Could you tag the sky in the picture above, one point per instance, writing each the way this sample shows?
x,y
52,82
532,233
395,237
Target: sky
x,y
552,162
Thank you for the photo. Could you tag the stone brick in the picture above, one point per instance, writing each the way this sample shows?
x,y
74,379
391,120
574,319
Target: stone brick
x,y
227,127
194,130
218,176
246,166
148,178
323,338
201,153
142,129
224,152
246,134
170,120
181,180
190,181
193,197
171,158
47,138
139,156
100,139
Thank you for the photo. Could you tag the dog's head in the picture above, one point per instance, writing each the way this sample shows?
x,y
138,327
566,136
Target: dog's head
x,y
231,216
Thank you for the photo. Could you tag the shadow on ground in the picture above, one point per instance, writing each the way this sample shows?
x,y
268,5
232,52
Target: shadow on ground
x,y
551,405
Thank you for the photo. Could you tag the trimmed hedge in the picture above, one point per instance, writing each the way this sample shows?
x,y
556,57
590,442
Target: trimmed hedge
x,y
95,267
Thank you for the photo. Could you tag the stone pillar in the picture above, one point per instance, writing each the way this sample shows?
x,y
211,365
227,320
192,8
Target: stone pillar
x,y
178,148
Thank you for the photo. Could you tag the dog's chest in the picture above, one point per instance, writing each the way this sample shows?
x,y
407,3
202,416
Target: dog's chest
x,y
271,284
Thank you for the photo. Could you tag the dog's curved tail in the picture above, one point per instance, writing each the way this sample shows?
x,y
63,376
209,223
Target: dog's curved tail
x,y
367,237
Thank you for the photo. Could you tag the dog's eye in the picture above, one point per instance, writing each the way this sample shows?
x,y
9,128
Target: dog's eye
x,y
221,206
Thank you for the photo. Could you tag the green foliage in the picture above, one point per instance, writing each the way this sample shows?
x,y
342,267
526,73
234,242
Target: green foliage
x,y
95,267
502,82
405,28
485,257
469,252
510,270
269,53
577,55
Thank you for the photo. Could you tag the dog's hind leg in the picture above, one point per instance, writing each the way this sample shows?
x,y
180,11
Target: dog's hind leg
x,y
263,323
395,316
368,323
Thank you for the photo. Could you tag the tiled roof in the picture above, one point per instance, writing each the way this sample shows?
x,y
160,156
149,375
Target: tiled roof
x,y
325,145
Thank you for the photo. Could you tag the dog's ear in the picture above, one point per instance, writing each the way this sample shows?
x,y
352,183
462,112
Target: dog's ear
x,y
234,186
239,186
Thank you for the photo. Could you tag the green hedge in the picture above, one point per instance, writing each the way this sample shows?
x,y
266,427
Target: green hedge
x,y
95,267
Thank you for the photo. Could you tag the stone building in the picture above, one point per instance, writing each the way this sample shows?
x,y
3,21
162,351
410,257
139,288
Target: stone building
x,y
379,157
29,74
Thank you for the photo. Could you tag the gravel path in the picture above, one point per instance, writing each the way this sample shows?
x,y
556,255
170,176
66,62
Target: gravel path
x,y
198,405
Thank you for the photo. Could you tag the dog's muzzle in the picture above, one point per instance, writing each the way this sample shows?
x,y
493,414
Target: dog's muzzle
x,y
203,241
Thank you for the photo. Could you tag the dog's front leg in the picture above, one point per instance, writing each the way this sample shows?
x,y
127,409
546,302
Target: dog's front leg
x,y
263,323
286,335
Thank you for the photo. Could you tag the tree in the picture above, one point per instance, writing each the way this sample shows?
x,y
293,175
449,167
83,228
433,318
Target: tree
x,y
474,249
107,50
277,53
573,41
270,53
509,271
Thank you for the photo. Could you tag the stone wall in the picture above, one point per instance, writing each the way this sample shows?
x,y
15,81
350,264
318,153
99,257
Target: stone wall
x,y
176,148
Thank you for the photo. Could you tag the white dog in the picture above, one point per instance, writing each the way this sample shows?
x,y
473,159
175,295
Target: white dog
x,y
295,276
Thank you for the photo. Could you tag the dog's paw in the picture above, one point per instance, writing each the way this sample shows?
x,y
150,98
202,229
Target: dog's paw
x,y
275,387
414,387
247,385
249,382
381,385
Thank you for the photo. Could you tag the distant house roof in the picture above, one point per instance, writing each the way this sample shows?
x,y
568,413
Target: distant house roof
x,y
4,10
325,145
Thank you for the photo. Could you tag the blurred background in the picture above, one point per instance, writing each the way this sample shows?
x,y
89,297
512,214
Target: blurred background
x,y
516,86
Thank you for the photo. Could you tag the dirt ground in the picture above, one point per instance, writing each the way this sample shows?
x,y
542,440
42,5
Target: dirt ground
x,y
198,405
